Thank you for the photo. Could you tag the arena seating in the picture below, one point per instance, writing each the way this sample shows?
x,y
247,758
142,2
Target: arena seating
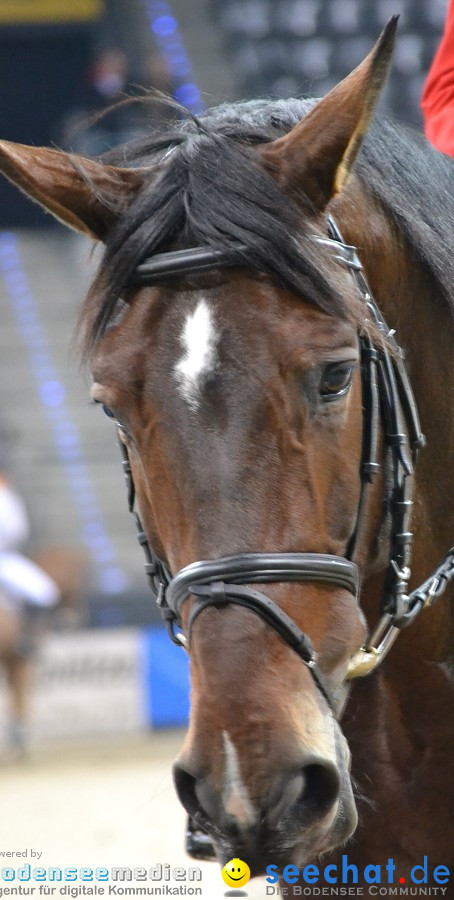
x,y
300,47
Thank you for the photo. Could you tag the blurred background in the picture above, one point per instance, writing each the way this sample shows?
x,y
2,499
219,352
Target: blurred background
x,y
102,666
91,687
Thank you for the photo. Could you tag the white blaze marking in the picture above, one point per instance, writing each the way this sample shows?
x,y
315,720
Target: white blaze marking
x,y
235,796
198,339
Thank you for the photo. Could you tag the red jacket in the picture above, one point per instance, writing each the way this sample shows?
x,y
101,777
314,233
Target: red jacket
x,y
438,95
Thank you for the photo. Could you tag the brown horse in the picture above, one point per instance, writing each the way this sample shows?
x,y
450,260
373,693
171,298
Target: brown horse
x,y
239,394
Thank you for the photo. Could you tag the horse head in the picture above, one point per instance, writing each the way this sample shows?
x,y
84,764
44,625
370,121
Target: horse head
x,y
238,395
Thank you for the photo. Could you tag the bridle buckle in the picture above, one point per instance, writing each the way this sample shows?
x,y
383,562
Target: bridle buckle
x,y
403,573
367,658
431,594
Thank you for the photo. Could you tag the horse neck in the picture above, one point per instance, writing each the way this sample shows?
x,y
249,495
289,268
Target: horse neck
x,y
412,304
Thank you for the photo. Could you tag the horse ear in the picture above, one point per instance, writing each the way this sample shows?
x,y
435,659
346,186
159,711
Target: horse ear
x,y
86,195
317,155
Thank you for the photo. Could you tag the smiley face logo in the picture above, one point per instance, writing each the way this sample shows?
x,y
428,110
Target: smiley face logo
x,y
236,873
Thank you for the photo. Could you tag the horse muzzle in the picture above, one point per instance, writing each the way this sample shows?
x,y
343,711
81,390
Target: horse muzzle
x,y
302,809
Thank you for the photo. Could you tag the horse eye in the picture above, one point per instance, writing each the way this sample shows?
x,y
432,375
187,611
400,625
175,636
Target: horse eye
x,y
336,380
108,411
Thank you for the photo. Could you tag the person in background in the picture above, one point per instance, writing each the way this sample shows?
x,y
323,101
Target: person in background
x,y
22,582
438,94
106,120
27,594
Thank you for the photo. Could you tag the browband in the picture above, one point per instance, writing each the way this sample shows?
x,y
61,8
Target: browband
x,y
164,266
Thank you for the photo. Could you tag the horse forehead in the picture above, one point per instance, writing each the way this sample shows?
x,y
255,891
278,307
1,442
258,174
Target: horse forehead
x,y
198,340
182,333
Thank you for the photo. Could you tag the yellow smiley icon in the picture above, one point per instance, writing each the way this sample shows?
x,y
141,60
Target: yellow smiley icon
x,y
236,873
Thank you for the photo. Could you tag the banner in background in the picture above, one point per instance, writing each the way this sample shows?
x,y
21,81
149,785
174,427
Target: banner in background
x,y
49,12
111,682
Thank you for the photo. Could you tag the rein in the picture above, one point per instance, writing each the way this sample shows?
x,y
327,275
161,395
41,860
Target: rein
x,y
387,398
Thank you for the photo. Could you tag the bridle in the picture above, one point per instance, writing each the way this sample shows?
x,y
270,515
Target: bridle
x,y
387,398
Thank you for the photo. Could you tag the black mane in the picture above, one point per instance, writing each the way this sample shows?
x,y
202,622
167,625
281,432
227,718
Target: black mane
x,y
210,191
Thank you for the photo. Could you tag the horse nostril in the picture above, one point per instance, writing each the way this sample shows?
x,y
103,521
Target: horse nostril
x,y
185,787
321,789
307,795
188,789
